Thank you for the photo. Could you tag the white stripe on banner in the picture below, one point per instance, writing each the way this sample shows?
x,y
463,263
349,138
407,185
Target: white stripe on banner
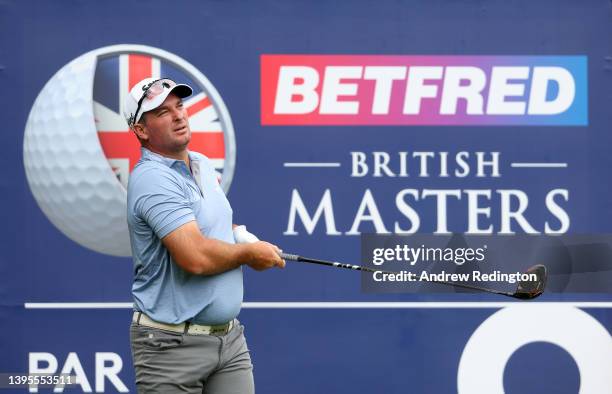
x,y
308,165
328,305
538,165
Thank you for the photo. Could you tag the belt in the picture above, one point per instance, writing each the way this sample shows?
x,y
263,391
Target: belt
x,y
186,328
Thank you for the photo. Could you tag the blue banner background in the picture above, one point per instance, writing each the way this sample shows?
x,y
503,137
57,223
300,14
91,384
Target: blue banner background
x,y
305,350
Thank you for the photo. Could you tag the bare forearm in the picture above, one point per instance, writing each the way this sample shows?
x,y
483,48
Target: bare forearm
x,y
215,257
199,255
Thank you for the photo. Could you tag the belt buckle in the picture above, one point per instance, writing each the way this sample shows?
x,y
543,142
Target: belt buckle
x,y
216,331
220,330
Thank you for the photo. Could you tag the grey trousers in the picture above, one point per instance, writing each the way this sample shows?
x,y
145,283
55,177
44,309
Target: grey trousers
x,y
169,362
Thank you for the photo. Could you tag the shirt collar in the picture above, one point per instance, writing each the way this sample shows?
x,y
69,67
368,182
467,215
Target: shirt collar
x,y
167,161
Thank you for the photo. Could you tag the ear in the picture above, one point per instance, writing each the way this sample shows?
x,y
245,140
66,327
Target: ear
x,y
141,131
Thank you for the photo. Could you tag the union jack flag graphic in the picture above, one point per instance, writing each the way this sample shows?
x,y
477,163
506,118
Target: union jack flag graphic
x,y
116,75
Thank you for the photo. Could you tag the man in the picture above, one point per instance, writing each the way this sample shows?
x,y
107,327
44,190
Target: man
x,y
187,267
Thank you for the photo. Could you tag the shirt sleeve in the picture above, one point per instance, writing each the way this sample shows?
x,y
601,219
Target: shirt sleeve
x,y
161,201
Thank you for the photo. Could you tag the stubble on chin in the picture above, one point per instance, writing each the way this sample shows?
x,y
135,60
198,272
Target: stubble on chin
x,y
180,144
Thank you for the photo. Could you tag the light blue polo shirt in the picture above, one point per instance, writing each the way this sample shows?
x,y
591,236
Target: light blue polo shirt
x,y
162,196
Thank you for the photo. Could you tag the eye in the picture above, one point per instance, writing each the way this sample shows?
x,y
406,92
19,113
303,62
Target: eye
x,y
180,105
162,112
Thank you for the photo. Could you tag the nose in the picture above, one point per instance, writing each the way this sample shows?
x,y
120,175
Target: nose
x,y
178,113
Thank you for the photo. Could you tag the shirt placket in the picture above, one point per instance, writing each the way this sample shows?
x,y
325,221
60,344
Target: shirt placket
x,y
195,172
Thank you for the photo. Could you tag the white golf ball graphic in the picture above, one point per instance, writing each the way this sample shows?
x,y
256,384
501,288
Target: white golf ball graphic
x,y
66,167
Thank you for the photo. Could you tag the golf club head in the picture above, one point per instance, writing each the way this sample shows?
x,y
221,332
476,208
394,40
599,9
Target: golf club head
x,y
528,290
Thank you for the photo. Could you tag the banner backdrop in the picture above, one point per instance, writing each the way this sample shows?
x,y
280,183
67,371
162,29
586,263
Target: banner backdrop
x,y
324,121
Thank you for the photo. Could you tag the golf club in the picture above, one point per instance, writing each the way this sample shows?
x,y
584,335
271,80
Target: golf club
x,y
525,290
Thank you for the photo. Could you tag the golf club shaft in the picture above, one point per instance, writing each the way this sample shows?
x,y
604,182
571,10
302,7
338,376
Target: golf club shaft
x,y
294,257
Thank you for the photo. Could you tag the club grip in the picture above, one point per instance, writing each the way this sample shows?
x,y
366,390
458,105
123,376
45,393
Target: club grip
x,y
291,257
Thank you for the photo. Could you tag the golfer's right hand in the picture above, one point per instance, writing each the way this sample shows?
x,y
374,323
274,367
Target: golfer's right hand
x,y
265,255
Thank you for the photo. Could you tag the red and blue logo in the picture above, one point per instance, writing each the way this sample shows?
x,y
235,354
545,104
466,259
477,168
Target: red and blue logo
x,y
423,90
76,129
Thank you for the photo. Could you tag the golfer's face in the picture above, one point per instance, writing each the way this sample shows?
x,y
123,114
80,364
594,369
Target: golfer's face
x,y
168,126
